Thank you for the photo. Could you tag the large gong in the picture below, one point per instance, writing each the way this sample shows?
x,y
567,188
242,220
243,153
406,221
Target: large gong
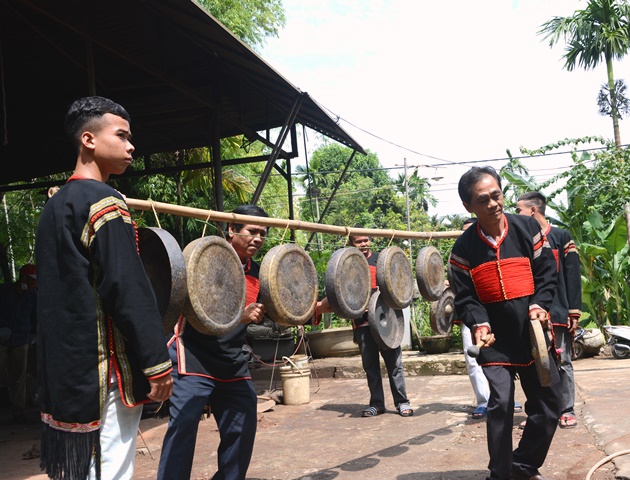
x,y
288,285
540,352
430,273
387,324
394,277
216,286
164,264
442,311
348,283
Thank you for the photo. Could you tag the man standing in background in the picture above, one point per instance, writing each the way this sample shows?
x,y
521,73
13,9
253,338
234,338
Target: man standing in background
x,y
566,307
18,318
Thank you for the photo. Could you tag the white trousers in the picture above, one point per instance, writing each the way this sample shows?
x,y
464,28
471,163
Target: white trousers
x,y
119,431
478,380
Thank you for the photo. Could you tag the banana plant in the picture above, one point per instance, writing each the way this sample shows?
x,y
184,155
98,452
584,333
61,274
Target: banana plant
x,y
605,292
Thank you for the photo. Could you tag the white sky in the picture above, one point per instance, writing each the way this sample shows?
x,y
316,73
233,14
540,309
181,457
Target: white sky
x,y
457,80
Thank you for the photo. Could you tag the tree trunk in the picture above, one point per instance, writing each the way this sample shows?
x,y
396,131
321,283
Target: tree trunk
x,y
613,101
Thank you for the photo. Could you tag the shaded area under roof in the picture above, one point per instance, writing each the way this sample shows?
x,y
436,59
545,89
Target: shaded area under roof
x,y
183,77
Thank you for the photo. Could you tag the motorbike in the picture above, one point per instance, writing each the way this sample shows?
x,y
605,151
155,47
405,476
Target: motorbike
x,y
619,340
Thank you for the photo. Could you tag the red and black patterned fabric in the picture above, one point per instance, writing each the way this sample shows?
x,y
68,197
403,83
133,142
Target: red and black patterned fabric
x,y
497,285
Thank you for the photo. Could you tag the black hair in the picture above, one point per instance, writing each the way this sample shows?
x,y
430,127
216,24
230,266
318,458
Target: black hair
x,y
253,210
351,237
535,199
471,177
85,112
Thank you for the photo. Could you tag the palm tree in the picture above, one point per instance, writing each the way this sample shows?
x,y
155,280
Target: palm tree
x,y
600,31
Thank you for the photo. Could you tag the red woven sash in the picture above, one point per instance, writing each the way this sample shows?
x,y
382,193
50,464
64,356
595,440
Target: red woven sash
x,y
503,280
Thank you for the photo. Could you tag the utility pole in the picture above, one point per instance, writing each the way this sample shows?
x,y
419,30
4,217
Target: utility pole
x,y
407,202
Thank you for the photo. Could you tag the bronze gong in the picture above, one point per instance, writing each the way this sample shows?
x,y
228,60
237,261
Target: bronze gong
x,y
164,264
430,273
288,285
348,283
442,311
394,277
540,352
387,324
216,286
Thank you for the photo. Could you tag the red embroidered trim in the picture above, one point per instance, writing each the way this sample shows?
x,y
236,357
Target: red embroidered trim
x,y
507,364
48,419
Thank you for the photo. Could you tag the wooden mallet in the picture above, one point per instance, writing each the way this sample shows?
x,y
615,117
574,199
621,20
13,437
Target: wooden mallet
x,y
473,351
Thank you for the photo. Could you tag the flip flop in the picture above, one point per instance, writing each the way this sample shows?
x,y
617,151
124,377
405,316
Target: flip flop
x,y
518,408
568,420
479,412
371,412
404,410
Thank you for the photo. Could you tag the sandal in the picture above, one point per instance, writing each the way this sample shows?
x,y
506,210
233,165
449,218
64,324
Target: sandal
x,y
32,453
518,408
371,412
404,410
480,412
568,420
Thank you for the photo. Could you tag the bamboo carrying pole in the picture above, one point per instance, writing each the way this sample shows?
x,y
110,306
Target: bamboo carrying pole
x,y
282,223
207,215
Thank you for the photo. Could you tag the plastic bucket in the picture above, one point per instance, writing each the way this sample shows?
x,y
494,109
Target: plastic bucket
x,y
300,361
295,382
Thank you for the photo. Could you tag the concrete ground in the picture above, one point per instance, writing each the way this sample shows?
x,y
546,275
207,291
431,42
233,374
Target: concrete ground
x,y
326,438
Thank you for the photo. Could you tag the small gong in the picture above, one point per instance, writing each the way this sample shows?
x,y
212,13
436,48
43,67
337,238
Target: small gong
x,y
348,283
430,273
394,277
442,311
540,352
216,286
164,264
288,285
387,324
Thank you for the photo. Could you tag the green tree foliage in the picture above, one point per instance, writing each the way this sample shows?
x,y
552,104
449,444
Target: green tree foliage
x,y
597,190
599,32
252,21
20,214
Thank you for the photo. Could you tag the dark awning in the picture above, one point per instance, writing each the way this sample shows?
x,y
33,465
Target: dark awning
x,y
179,73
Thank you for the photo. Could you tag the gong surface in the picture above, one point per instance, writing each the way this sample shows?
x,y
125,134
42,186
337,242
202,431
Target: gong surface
x,y
540,352
164,264
288,285
387,324
394,277
216,286
348,283
442,311
430,273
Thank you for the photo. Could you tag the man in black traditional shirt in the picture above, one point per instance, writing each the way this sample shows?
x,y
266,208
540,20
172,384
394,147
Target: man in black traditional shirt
x,y
504,276
212,370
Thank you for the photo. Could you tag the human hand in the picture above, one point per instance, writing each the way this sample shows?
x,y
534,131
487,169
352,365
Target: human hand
x,y
161,388
253,313
540,315
572,324
483,337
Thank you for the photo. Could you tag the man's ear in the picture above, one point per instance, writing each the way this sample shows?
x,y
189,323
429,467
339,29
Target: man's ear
x,y
467,207
230,230
87,140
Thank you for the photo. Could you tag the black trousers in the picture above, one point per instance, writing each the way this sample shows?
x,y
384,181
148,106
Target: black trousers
x,y
372,365
543,411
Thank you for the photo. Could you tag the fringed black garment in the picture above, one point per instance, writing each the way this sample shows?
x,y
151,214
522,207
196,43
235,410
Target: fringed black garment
x,y
97,314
